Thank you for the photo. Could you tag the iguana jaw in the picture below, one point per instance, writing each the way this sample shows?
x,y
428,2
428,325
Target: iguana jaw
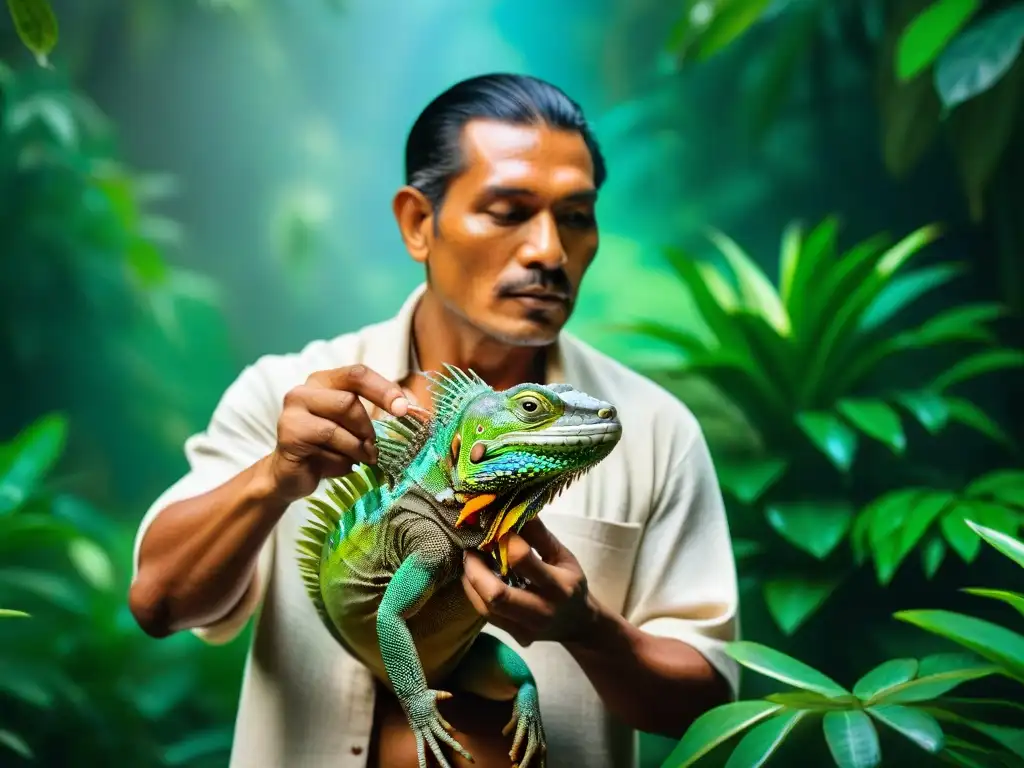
x,y
569,437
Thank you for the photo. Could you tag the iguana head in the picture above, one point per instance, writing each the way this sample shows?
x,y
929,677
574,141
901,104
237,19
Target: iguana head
x,y
510,452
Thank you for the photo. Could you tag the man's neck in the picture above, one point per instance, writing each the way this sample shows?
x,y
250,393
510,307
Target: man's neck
x,y
439,337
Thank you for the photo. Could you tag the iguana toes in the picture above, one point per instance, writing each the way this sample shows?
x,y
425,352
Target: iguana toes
x,y
382,558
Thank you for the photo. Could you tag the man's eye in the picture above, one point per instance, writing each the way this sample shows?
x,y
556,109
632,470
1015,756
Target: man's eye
x,y
509,215
579,220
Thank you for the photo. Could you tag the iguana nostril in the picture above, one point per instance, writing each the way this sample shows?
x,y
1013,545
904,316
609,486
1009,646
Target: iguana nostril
x,y
606,413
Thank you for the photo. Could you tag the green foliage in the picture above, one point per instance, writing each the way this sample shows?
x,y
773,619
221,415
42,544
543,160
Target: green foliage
x,y
908,697
36,25
940,64
807,364
80,663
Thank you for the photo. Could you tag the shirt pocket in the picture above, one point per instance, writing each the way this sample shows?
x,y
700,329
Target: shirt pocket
x,y
606,552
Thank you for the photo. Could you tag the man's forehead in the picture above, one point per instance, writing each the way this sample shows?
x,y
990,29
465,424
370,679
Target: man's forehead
x,y
510,158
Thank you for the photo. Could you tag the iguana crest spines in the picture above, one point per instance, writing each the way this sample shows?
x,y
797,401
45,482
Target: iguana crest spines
x,y
400,440
453,392
350,495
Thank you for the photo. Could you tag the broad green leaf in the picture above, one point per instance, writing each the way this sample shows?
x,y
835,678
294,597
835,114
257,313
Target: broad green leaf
x,y
903,290
980,55
748,480
761,742
36,26
28,458
962,323
925,510
813,263
968,414
716,727
831,436
727,23
16,744
958,535
789,255
916,725
720,288
991,641
772,663
882,518
885,676
1003,484
923,39
1013,599
936,674
792,601
756,291
875,419
816,527
932,554
978,364
852,739
682,339
10,613
1010,546
813,702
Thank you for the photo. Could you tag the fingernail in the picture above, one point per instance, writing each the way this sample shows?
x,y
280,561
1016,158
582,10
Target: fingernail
x,y
399,406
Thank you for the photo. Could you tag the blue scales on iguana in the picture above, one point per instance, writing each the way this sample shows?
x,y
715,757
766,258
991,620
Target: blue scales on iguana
x,y
381,556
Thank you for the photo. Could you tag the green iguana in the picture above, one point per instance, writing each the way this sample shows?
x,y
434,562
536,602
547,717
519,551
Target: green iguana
x,y
382,557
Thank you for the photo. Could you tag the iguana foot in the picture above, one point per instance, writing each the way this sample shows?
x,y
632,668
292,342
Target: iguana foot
x,y
428,726
526,720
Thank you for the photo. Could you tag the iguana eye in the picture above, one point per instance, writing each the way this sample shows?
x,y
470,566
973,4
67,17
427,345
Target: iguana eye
x,y
529,404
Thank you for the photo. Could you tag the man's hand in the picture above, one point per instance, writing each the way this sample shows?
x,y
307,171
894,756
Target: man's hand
x,y
556,604
324,428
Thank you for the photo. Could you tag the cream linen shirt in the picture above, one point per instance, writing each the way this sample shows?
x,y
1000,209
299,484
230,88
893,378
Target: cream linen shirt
x,y
648,527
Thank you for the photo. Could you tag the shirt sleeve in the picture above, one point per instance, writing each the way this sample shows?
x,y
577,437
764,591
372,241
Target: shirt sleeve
x,y
241,431
685,584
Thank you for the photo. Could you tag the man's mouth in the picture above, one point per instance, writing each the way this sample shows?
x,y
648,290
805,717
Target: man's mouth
x,y
538,296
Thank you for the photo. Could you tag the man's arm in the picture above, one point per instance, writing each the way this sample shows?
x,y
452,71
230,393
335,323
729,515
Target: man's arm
x,y
661,665
199,549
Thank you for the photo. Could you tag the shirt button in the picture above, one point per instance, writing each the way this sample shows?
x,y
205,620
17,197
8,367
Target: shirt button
x,y
357,750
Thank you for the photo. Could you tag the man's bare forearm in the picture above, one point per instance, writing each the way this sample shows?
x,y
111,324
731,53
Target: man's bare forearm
x,y
654,684
198,557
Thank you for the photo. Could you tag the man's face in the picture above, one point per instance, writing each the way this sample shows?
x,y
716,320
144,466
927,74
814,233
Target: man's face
x,y
516,231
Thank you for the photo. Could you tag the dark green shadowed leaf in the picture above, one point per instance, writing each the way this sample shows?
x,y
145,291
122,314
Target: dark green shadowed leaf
x,y
748,480
916,725
980,55
36,25
875,419
772,663
958,535
831,436
929,408
716,727
999,645
816,527
933,552
792,601
885,676
1013,599
903,290
852,739
761,742
969,415
978,364
1006,485
16,744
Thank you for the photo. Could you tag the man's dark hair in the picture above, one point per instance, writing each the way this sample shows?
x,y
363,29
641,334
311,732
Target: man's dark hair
x,y
433,152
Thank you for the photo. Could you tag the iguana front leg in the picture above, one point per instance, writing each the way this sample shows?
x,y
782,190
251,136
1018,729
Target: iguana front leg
x,y
409,589
493,670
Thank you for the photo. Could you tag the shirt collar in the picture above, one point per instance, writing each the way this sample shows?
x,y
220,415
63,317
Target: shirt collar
x,y
388,347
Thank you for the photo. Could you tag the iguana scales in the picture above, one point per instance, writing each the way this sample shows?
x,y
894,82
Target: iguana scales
x,y
381,558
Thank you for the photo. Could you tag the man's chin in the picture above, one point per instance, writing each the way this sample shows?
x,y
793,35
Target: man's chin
x,y
524,332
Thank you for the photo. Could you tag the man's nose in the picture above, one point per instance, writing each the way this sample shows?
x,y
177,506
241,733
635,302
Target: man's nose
x,y
543,244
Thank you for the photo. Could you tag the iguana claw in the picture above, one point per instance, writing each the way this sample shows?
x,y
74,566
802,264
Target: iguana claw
x,y
428,726
526,720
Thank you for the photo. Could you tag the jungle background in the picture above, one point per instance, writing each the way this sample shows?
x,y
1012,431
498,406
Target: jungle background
x,y
812,233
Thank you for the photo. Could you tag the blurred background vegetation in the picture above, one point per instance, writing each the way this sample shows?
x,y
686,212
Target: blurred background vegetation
x,y
818,207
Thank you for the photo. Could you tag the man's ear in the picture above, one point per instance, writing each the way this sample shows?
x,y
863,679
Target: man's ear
x,y
415,217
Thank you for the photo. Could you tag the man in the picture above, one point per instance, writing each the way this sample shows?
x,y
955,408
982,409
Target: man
x,y
502,181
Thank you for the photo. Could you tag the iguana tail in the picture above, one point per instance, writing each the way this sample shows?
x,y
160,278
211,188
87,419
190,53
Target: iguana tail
x,y
352,496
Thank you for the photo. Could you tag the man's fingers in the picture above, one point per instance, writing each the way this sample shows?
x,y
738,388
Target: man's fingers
x,y
524,561
548,547
324,434
494,598
342,408
366,383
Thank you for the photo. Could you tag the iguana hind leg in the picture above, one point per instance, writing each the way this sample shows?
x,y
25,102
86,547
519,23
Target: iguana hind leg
x,y
494,671
409,589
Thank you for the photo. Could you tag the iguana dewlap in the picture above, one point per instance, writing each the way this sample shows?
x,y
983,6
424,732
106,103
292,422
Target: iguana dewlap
x,y
382,559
